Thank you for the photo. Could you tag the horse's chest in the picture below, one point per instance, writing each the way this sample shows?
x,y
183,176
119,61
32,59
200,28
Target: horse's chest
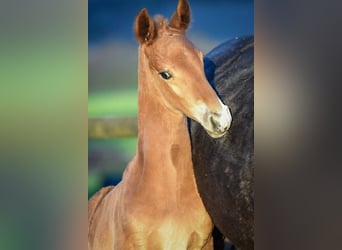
x,y
171,235
172,231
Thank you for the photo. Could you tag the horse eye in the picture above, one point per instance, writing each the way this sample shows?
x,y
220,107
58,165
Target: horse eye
x,y
166,75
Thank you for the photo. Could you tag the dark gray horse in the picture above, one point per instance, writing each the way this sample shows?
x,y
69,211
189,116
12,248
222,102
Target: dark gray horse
x,y
224,167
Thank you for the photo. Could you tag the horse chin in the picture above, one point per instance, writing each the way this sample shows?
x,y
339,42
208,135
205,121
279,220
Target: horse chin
x,y
215,134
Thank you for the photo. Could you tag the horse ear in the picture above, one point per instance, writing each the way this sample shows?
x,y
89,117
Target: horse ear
x,y
181,18
144,27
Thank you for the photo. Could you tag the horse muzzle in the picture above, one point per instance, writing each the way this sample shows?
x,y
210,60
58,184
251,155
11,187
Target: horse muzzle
x,y
218,123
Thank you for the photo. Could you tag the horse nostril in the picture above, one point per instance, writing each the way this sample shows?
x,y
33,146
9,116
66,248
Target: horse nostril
x,y
217,125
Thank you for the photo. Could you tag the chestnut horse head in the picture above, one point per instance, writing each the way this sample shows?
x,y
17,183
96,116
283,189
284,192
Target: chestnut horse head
x,y
173,67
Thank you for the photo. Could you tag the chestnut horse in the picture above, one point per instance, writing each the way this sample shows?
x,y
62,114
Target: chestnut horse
x,y
157,204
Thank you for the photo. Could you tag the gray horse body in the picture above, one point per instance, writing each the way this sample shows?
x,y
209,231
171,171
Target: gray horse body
x,y
224,167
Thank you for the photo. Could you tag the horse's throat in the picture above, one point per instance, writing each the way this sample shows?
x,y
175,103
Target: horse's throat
x,y
164,149
164,136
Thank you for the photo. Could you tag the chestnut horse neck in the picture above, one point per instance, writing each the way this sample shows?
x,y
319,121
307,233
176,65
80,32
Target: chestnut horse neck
x,y
163,139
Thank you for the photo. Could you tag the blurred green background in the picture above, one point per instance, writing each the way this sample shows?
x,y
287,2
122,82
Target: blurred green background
x,y
107,158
